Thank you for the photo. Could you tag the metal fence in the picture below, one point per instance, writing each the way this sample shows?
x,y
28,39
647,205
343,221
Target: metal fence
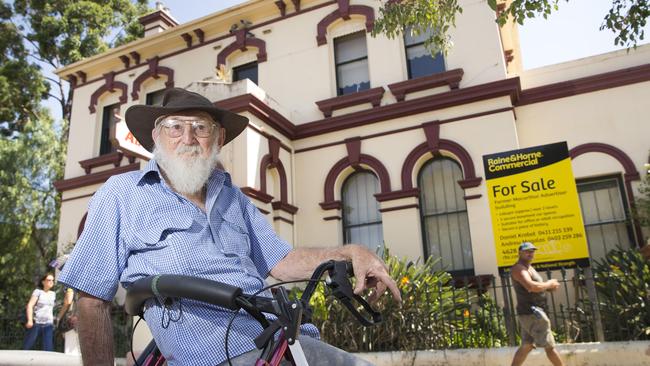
x,y
12,330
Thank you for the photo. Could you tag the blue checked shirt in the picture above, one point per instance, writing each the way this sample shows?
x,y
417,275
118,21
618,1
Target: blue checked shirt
x,y
137,226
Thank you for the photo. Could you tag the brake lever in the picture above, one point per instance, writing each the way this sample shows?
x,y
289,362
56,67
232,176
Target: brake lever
x,y
338,281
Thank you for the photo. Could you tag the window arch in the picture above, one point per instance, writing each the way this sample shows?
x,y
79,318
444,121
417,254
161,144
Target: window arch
x,y
445,225
361,216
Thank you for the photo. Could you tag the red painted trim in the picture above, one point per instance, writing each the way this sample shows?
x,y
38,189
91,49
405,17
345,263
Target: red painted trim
x,y
109,86
114,158
612,79
82,224
282,7
404,129
242,42
631,174
343,12
296,4
263,211
451,78
472,197
333,205
154,71
77,197
125,60
280,218
283,206
395,195
396,208
372,96
266,164
507,87
377,167
155,16
353,146
330,218
249,103
258,195
457,150
200,34
94,178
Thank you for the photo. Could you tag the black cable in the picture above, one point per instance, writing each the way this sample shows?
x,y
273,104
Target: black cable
x,y
133,333
248,297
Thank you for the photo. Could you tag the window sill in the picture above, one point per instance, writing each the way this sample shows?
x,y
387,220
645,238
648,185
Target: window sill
x,y
451,78
114,158
372,96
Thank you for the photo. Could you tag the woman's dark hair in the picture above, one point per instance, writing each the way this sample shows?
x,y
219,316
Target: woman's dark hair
x,y
40,282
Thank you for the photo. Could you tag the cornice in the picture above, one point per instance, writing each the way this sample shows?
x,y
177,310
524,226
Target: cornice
x,y
94,178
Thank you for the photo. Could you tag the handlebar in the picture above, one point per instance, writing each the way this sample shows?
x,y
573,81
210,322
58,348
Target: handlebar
x,y
233,298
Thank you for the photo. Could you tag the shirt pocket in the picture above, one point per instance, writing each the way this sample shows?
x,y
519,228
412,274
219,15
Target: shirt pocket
x,y
159,233
234,240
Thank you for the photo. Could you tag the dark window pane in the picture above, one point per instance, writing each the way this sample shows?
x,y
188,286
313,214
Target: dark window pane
x,y
246,71
361,216
351,57
155,98
605,215
419,61
109,117
444,216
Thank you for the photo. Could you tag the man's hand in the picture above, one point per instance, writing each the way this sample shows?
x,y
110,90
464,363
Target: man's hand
x,y
553,284
371,272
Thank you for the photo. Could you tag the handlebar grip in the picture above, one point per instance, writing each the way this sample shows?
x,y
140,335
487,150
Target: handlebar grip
x,y
201,289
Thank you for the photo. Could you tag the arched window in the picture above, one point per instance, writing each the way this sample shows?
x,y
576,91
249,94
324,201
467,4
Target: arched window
x,y
361,216
444,216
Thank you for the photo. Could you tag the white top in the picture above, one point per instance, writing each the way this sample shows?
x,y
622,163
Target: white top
x,y
44,308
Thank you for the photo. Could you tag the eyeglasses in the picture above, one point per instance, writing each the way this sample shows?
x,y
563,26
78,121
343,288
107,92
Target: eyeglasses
x,y
200,127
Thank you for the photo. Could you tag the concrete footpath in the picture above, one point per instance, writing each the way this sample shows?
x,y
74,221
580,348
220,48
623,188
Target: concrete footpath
x,y
634,353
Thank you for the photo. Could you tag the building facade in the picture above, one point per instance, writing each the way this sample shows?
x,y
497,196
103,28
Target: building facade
x,y
354,138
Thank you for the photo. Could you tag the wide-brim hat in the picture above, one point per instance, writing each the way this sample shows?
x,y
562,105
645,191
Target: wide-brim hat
x,y
141,118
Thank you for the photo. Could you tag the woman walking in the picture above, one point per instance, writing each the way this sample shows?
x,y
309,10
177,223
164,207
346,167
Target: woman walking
x,y
40,315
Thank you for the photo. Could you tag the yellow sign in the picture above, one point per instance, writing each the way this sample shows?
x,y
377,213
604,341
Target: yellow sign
x,y
533,197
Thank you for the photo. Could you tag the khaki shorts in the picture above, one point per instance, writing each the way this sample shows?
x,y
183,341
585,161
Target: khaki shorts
x,y
536,331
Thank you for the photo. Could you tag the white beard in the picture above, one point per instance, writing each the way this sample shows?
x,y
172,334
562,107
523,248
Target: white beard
x,y
187,175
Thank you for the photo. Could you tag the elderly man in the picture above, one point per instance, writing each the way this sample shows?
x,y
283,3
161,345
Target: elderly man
x,y
531,290
182,215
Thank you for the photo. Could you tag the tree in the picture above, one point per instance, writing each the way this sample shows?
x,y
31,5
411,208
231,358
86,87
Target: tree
x,y
55,33
626,18
37,37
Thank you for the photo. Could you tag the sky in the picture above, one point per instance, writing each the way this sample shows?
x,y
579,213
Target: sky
x,y
568,34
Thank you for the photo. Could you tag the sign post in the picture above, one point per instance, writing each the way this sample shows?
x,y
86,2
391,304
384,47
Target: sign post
x,y
533,197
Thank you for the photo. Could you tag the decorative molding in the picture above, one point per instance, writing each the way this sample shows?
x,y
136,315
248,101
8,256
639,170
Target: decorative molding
x,y
82,76
612,79
265,212
200,35
114,158
188,39
250,103
282,7
630,173
280,218
154,71
395,195
241,43
343,12
332,205
266,163
354,159
507,87
283,206
396,208
258,195
156,16
94,178
372,96
330,218
434,146
508,55
472,197
126,61
136,57
296,4
451,78
109,86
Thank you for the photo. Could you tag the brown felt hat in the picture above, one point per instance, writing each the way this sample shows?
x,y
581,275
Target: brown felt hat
x,y
141,118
